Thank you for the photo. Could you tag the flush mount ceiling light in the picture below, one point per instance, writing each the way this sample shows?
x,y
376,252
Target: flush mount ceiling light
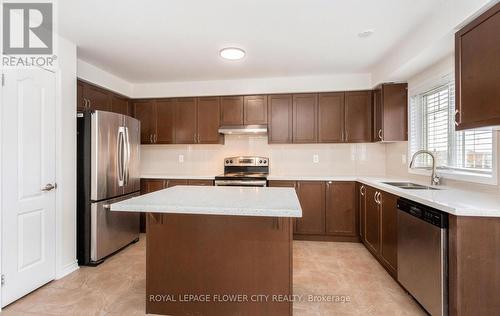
x,y
366,33
232,53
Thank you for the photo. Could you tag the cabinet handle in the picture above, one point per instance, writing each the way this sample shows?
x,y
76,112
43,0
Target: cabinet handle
x,y
89,104
151,138
380,136
155,138
361,190
457,117
375,197
346,137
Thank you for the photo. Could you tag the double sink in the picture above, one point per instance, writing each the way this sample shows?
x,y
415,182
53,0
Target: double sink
x,y
410,186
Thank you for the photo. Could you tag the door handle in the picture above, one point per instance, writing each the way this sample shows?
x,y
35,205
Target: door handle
x,y
127,157
49,187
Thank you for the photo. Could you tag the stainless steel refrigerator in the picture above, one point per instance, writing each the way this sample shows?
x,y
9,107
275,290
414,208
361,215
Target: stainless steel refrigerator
x,y
108,155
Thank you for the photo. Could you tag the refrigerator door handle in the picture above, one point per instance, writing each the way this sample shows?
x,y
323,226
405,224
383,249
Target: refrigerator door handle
x,y
121,156
127,156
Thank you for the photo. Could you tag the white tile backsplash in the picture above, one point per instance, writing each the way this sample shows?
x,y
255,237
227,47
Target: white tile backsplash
x,y
286,159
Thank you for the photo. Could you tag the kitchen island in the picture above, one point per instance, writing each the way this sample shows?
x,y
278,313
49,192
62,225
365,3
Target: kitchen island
x,y
218,250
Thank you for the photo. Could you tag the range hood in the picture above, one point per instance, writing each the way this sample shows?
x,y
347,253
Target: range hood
x,y
243,129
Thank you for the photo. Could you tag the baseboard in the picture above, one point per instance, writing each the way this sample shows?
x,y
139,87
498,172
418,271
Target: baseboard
x,y
69,268
326,238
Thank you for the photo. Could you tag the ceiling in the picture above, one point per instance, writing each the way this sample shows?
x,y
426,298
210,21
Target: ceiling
x,y
179,40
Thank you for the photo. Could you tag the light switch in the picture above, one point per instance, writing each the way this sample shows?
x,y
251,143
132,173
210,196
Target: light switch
x,y
315,158
181,158
403,159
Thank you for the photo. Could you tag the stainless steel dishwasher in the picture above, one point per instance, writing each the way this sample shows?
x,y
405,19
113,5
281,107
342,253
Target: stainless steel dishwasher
x,y
423,255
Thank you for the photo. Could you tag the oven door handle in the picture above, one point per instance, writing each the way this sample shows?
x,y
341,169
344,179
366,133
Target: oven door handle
x,y
241,183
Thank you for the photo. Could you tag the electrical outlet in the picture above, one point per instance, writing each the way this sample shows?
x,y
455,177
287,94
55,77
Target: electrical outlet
x,y
315,158
181,158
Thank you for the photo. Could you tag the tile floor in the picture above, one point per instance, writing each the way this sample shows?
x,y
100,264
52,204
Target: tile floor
x,y
117,287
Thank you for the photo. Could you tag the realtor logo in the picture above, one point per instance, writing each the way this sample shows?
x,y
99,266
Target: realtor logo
x,y
27,28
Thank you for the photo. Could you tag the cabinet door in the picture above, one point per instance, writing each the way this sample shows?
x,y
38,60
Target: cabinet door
x,y
165,121
208,120
151,185
312,200
358,116
98,98
341,209
389,232
232,110
255,109
279,118
174,182
372,221
361,191
305,118
377,115
394,112
285,184
80,101
145,111
201,182
477,71
119,104
331,117
185,121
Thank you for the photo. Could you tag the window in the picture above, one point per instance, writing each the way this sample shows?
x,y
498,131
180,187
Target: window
x,y
432,128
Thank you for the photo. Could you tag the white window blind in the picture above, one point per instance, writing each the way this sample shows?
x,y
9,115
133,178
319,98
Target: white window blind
x,y
432,128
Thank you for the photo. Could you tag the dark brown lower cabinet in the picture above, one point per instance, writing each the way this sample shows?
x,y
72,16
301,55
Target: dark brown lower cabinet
x,y
380,234
361,189
328,210
372,221
312,200
389,232
341,219
152,185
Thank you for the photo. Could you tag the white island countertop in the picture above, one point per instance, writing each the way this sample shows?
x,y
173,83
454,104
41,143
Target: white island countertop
x,y
223,200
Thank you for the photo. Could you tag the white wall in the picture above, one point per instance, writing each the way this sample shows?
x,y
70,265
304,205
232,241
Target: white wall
x,y
286,159
338,82
102,78
66,155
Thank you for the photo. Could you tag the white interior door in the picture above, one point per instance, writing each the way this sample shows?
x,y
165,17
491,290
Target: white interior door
x,y
28,171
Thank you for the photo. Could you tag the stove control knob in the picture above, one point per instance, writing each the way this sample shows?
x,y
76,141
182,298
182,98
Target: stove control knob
x,y
265,161
227,161
260,161
231,161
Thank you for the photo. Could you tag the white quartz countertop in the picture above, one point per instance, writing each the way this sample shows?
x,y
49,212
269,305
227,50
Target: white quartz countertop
x,y
204,200
450,200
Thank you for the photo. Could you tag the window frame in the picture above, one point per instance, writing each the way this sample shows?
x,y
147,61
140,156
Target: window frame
x,y
449,172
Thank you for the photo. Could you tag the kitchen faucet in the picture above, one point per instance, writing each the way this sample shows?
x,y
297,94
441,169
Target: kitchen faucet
x,y
434,176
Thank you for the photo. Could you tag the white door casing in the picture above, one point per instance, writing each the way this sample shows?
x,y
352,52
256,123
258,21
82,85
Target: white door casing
x,y
28,165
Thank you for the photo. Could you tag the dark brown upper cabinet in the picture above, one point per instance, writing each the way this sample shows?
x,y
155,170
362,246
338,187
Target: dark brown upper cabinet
x,y
312,200
477,72
341,217
208,113
331,117
97,98
231,110
305,118
145,111
185,121
120,104
358,117
390,104
165,121
255,109
280,109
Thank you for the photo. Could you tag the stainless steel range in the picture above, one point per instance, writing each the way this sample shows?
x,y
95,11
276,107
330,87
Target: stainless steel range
x,y
244,171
